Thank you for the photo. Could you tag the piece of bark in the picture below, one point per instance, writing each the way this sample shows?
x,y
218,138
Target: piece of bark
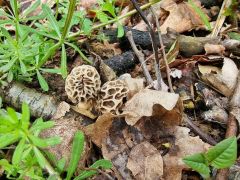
x,y
188,45
41,105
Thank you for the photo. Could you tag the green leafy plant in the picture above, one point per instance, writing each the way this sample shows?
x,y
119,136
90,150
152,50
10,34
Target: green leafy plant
x,y
222,155
27,159
23,54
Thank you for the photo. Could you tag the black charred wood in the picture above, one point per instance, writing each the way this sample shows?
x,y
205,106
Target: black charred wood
x,y
122,63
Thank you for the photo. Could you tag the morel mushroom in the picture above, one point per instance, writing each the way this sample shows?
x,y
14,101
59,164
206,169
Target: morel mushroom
x,y
111,96
82,86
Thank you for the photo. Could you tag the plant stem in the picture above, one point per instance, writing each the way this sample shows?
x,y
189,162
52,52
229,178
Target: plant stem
x,y
16,14
57,6
73,35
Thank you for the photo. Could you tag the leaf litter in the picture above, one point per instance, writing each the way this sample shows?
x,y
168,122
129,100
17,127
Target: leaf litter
x,y
149,136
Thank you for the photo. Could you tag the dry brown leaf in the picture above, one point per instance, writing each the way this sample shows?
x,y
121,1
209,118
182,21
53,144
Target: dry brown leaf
x,y
65,128
142,104
105,49
117,145
185,145
181,12
100,129
226,79
171,13
145,162
214,49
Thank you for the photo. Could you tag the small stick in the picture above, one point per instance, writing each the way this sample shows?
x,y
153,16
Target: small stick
x,y
140,56
154,45
221,18
163,51
201,134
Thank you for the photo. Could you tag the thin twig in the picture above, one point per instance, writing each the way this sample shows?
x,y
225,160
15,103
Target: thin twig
x,y
163,51
140,56
154,45
201,134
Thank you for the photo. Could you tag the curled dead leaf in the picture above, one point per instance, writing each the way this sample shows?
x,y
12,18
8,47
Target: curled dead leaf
x,y
225,80
100,129
142,104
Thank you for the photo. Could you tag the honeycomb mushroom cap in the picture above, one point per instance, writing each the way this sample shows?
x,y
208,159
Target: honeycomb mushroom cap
x,y
111,96
82,84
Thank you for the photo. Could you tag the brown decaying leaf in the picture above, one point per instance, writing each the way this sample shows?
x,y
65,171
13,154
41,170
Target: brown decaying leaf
x,y
186,145
176,12
65,128
142,104
145,162
117,145
100,129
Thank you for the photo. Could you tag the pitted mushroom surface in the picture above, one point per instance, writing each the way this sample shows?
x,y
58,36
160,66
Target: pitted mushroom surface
x,y
82,84
111,96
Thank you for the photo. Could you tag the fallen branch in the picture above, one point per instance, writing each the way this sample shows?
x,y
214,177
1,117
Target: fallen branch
x,y
199,132
188,46
41,105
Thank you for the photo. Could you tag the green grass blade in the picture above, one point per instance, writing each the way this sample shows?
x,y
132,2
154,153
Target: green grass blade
x,y
31,8
8,66
9,138
77,149
51,19
43,83
25,116
40,158
64,62
17,155
202,15
79,51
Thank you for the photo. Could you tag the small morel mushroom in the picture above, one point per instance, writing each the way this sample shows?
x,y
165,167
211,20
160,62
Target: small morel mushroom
x,y
82,86
111,96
